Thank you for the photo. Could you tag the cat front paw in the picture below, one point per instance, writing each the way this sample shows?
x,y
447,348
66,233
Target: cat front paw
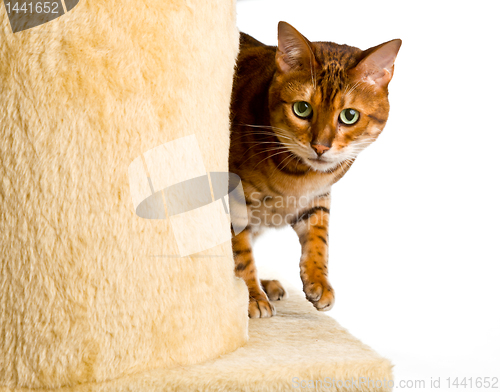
x,y
321,295
274,290
260,307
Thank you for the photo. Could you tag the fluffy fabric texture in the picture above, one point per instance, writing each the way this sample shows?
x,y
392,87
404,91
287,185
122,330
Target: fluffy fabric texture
x,y
81,297
299,344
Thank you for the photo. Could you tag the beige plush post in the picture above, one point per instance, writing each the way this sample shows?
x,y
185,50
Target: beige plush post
x,y
89,290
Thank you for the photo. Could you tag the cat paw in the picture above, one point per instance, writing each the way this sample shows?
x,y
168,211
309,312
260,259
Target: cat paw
x,y
274,290
321,295
260,308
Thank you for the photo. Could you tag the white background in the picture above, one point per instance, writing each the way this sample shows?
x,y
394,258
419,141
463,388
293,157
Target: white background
x,y
414,235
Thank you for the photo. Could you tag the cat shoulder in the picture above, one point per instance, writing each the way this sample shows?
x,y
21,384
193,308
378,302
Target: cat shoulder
x,y
248,41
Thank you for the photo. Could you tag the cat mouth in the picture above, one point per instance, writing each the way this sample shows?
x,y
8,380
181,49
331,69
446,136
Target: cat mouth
x,y
322,165
319,160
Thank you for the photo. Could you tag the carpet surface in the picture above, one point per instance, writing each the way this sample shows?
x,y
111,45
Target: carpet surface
x,y
298,349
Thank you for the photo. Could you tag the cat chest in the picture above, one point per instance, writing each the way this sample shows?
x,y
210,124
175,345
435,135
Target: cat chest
x,y
277,210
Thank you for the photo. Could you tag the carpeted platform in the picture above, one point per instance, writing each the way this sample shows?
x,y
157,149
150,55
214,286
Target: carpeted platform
x,y
284,353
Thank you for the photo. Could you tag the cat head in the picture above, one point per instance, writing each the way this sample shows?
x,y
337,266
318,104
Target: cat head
x,y
328,102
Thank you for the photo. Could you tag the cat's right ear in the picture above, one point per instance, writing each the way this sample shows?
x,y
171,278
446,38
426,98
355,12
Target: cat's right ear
x,y
294,50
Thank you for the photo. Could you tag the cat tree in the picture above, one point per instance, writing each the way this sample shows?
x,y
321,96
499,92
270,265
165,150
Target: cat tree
x,y
93,296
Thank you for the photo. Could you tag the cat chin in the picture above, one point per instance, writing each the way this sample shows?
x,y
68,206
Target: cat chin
x,y
321,166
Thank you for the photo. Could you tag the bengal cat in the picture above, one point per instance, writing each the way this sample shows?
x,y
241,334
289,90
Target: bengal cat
x,y
301,112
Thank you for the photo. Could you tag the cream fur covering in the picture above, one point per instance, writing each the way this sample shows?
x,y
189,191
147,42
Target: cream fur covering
x,y
82,299
300,343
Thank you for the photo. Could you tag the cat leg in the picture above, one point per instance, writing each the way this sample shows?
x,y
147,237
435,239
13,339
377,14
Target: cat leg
x,y
312,229
259,305
273,289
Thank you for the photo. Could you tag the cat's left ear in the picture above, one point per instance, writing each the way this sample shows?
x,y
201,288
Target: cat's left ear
x,y
377,66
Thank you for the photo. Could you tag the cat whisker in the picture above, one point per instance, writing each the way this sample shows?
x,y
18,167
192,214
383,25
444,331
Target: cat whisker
x,y
269,127
350,157
277,167
270,148
371,140
258,142
349,163
360,147
254,133
297,164
285,144
271,134
357,150
285,162
264,132
249,148
282,152
264,151
361,144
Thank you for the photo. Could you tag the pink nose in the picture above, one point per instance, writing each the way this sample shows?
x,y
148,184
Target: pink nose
x,y
319,148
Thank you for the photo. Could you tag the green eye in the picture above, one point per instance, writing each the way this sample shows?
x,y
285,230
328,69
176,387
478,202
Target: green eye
x,y
302,109
349,116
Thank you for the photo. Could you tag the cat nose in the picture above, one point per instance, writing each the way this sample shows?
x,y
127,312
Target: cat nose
x,y
320,149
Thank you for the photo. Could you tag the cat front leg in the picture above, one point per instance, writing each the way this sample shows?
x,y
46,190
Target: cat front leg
x,y
312,228
244,267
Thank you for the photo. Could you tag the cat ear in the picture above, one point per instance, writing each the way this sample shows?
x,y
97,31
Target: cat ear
x,y
294,50
377,66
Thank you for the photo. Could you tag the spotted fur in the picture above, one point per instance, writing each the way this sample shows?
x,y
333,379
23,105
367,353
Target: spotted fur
x,y
288,164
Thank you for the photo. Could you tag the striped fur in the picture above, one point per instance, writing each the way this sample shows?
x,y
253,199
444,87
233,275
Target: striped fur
x,y
288,164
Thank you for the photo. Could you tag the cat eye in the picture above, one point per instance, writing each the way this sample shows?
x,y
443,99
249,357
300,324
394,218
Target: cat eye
x,y
302,109
349,116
